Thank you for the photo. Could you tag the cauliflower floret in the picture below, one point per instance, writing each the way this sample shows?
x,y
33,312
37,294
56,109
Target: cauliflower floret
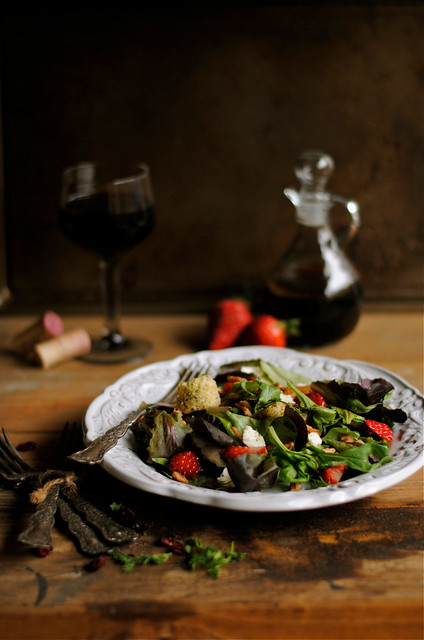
x,y
197,394
252,438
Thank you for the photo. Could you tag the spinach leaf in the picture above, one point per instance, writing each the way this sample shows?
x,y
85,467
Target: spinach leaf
x,y
261,393
358,458
332,438
347,417
295,466
276,374
230,419
322,416
285,429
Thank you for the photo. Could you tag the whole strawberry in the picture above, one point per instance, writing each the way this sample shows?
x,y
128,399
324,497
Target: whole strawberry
x,y
227,321
185,463
265,330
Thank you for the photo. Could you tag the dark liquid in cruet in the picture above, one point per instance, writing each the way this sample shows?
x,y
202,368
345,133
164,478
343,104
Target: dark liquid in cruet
x,y
322,320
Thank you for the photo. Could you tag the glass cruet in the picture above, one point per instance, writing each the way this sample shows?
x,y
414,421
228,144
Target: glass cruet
x,y
314,281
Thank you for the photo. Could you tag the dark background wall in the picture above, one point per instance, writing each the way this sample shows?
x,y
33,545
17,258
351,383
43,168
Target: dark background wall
x,y
220,102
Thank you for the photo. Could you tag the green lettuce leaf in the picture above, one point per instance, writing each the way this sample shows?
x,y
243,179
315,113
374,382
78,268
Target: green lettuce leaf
x,y
332,438
357,458
261,393
322,416
274,374
295,466
167,435
230,419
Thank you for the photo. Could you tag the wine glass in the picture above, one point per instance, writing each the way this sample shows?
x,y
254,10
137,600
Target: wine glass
x,y
108,216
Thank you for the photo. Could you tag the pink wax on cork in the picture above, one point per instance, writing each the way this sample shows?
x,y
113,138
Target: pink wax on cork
x,y
48,325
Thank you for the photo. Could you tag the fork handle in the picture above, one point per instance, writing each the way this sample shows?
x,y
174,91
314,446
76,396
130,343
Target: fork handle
x,y
38,532
96,450
88,540
110,530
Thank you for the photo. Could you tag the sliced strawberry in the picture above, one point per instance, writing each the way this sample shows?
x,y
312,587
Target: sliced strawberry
x,y
227,321
381,429
237,450
185,463
265,330
227,386
317,398
332,475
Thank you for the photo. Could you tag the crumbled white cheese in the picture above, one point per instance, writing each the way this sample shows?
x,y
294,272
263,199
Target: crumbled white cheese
x,y
314,438
252,438
246,369
285,397
225,479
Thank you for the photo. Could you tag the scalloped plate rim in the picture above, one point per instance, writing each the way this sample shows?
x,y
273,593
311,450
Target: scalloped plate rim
x,y
347,491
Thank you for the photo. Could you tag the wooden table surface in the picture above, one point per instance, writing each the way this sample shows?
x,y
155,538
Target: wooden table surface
x,y
349,571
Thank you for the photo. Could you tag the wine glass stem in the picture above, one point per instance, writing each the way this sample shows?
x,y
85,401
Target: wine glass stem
x,y
111,292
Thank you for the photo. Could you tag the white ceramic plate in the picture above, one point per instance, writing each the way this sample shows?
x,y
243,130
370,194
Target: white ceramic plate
x,y
151,382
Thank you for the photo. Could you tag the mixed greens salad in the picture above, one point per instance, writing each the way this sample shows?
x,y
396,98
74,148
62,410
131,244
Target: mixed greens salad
x,y
269,428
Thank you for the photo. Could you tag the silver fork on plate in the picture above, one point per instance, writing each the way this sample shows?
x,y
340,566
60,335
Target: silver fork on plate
x,y
95,531
96,450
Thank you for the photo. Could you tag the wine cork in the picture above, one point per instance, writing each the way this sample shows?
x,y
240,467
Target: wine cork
x,y
65,347
49,325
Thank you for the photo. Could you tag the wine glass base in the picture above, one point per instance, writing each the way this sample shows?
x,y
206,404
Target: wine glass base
x,y
107,351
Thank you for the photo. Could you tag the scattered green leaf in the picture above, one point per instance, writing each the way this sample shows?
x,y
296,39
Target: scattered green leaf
x,y
129,562
212,559
197,556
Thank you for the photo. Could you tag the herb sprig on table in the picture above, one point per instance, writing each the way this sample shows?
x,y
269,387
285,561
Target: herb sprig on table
x,y
195,556
129,561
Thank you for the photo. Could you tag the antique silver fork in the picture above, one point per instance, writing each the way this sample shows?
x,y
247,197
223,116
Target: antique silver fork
x,y
96,450
95,531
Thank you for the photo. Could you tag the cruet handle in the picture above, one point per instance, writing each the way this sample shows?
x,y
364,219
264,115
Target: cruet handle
x,y
347,233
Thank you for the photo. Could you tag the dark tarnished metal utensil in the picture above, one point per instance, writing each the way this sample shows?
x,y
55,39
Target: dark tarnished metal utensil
x,y
110,530
38,532
52,490
88,540
96,450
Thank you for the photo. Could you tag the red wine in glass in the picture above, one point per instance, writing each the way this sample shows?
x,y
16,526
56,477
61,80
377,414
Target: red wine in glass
x,y
108,216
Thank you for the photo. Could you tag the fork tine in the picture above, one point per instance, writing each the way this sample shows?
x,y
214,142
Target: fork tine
x,y
189,373
197,371
182,378
96,450
193,372
11,455
11,462
13,469
7,464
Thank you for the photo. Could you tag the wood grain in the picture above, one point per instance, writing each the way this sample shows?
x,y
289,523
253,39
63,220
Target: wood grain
x,y
352,571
